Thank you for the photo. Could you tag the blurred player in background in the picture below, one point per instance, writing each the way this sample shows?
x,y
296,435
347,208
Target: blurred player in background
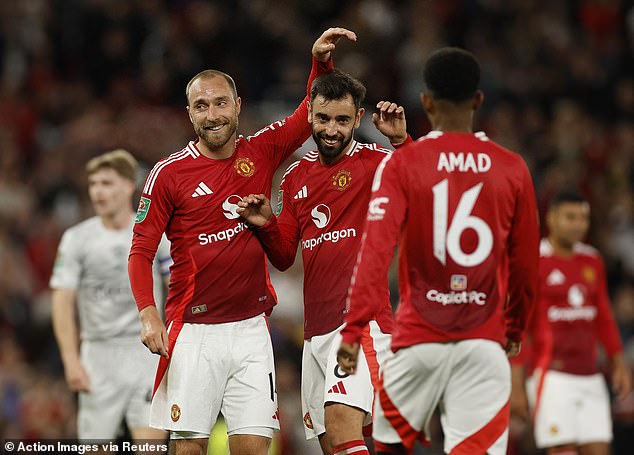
x,y
323,200
569,397
463,212
218,357
113,372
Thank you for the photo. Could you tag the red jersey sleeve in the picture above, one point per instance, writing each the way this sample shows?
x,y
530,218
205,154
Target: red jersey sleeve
x,y
387,212
606,328
408,140
153,214
280,236
280,139
523,254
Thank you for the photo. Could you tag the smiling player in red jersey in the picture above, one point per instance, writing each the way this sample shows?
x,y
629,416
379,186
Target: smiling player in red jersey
x,y
463,211
568,395
216,351
323,201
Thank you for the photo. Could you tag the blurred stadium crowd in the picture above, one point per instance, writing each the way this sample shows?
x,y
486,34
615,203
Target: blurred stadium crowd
x,y
79,77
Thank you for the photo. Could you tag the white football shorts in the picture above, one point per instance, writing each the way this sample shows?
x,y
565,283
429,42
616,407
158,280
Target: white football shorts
x,y
323,381
470,381
571,409
121,373
215,368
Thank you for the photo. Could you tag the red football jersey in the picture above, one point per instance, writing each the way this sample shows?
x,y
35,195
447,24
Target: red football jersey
x,y
220,271
463,209
573,312
323,208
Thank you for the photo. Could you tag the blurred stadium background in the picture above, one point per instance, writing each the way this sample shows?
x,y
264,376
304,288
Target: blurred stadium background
x,y
79,77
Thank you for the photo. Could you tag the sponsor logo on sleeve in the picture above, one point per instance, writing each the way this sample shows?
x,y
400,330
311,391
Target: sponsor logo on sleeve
x,y
375,211
280,202
144,206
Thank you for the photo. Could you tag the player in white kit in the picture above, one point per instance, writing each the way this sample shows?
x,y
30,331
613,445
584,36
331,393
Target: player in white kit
x,y
105,362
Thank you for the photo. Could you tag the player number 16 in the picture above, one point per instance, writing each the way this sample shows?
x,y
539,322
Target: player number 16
x,y
447,240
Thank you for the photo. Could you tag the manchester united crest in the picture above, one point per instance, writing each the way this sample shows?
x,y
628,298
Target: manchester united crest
x,y
341,180
244,167
176,413
308,421
588,274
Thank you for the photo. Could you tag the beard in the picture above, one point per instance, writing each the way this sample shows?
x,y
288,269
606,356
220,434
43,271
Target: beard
x,y
215,140
331,151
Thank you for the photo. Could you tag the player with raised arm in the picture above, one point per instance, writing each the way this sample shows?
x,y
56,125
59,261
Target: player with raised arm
x,y
462,210
568,395
323,200
105,362
216,352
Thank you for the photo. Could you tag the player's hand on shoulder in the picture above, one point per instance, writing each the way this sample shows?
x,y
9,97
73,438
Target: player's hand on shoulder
x,y
153,332
255,209
347,356
76,376
390,121
326,43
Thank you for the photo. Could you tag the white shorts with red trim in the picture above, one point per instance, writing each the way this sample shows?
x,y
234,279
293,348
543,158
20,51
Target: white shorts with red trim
x,y
469,380
216,368
324,382
571,409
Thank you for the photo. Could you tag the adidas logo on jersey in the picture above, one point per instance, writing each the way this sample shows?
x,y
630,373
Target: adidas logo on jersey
x,y
202,190
301,194
555,277
338,388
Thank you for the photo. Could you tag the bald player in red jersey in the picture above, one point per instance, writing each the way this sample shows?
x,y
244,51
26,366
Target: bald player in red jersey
x,y
568,395
462,210
216,351
323,200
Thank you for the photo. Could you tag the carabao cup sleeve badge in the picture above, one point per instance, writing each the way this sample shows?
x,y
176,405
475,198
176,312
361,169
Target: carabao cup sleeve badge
x,y
144,206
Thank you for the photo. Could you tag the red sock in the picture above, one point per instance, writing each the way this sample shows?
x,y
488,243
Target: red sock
x,y
357,447
389,449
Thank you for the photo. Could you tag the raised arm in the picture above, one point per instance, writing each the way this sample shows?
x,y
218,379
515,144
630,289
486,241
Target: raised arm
x,y
390,121
280,139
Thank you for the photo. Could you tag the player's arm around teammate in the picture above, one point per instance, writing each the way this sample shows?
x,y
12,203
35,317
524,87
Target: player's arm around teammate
x,y
154,333
280,234
213,107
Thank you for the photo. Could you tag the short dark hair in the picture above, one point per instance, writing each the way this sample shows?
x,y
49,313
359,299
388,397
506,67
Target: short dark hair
x,y
570,195
208,74
452,74
336,85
